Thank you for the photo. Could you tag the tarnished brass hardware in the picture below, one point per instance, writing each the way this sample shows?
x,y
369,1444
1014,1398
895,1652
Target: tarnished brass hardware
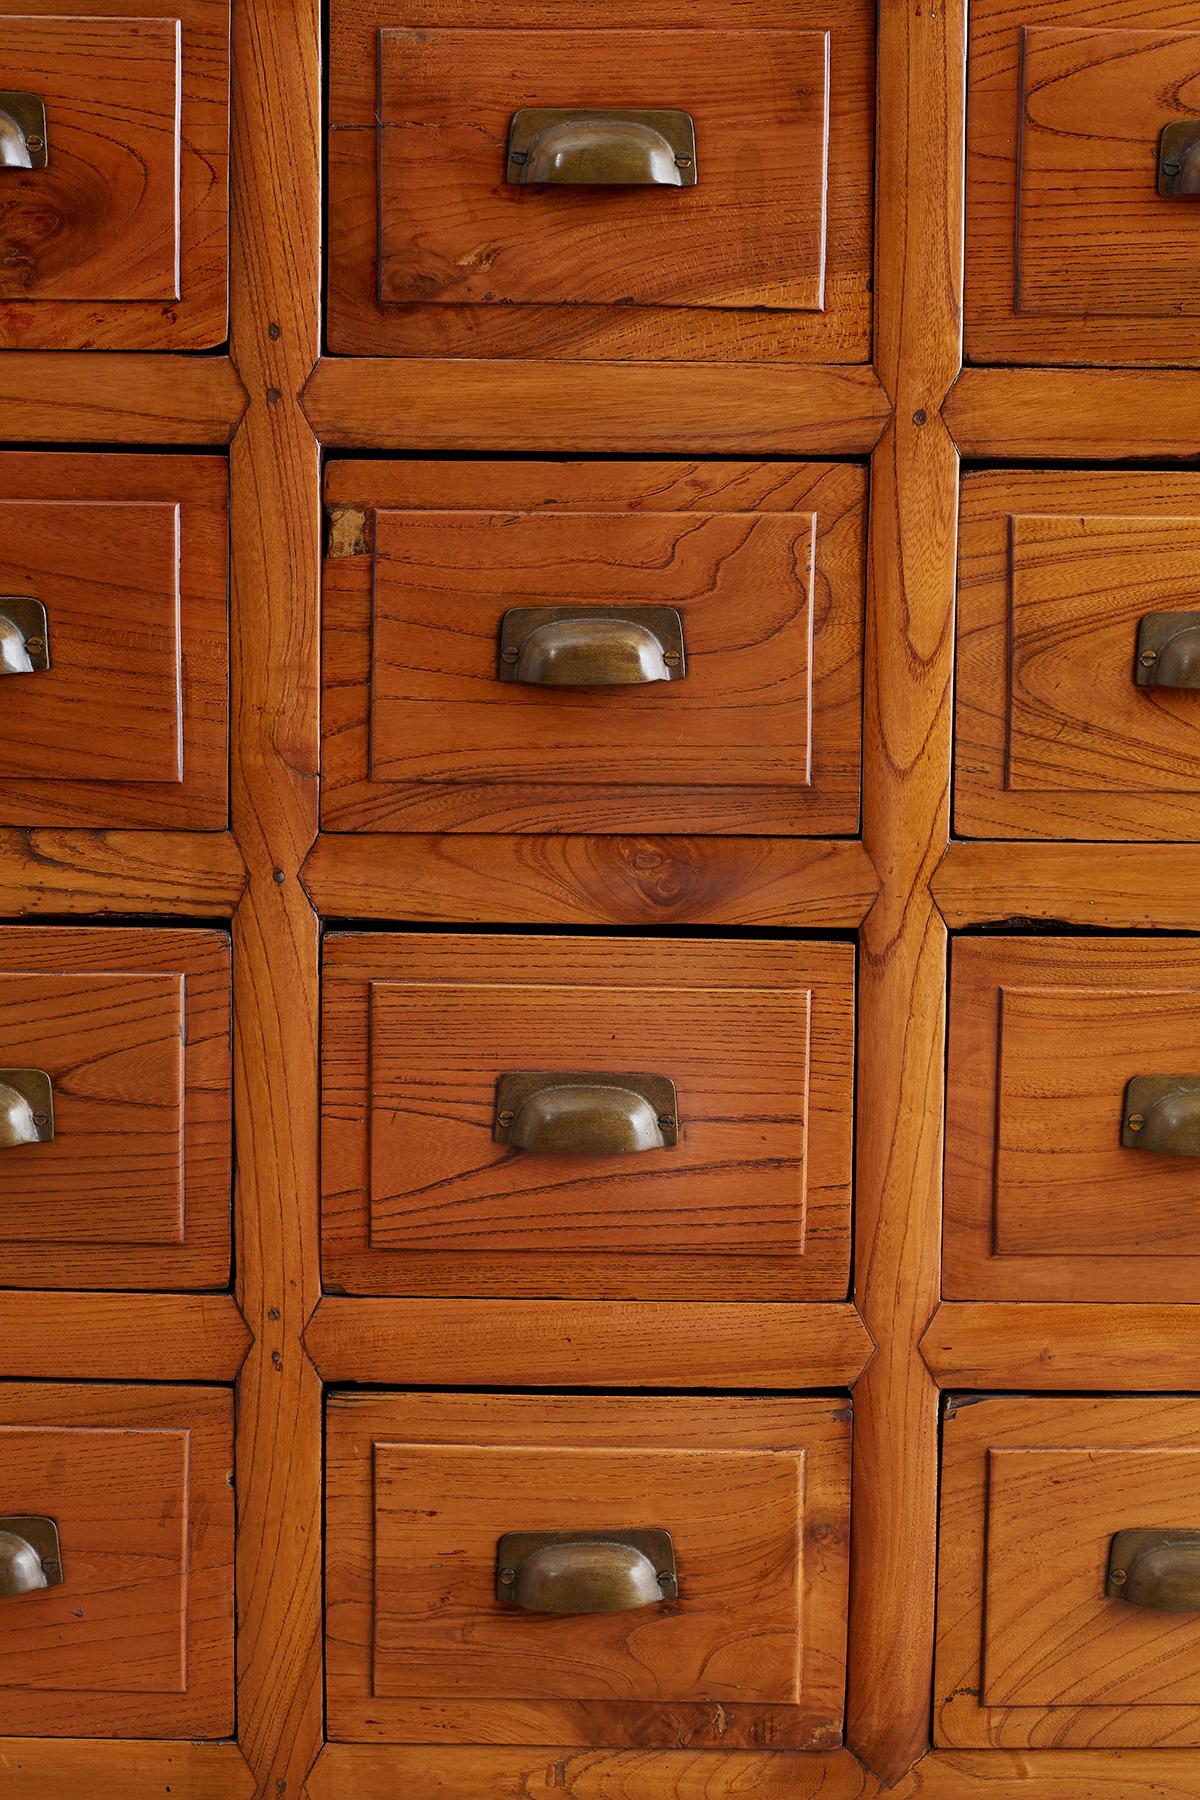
x,y
26,1107
1157,1569
1168,650
603,646
24,635
589,146
585,1571
1179,158
30,1557
573,1113
23,143
1162,1113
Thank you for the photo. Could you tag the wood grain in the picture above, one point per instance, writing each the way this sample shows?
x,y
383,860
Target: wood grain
x,y
736,1673
114,399
35,1767
1145,887
122,1337
594,1343
762,734
1114,1347
906,778
1053,1775
126,873
137,1639
373,403
121,242
1076,415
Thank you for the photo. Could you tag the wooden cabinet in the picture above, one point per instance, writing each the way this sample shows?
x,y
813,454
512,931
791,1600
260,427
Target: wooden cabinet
x,y
442,243
1075,253
1038,1644
744,1190
132,1634
114,175
115,640
432,722
746,1639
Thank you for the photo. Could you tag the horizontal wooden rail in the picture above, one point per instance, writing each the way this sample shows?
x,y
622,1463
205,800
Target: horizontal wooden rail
x,y
51,396
1123,1348
101,873
120,1337
1125,887
1068,415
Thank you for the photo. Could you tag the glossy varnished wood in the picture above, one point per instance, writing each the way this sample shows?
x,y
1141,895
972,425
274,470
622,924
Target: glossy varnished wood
x,y
124,873
122,1337
1115,1347
1076,415
35,1767
109,398
1132,887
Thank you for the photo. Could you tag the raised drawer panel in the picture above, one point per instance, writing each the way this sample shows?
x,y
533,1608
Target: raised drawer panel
x,y
113,211
438,248
420,1195
117,715
762,564
136,1638
1036,1646
132,1027
749,1637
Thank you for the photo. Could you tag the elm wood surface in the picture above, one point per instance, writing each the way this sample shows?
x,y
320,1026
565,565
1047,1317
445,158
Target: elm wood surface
x,y
128,873
476,880
1076,415
1072,255
129,724
764,565
1030,1650
594,1343
36,1767
906,779
1004,1344
760,1604
122,1337
1054,737
1130,886
108,398
792,165
373,403
137,1641
754,1199
132,1027
121,241
1042,1202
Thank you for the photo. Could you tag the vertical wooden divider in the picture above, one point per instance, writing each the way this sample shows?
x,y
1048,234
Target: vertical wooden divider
x,y
276,508
906,793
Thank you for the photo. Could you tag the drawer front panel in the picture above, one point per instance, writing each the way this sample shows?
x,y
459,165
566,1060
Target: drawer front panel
x,y
1074,253
1034,1493
762,732
418,1031
757,243
132,1028
136,1639
113,233
422,1489
128,722
1043,1199
1056,736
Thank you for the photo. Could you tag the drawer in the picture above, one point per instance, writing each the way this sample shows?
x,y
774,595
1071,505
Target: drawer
x,y
1050,1194
556,1115
722,1528
114,126
128,1031
1038,1644
127,1493
496,643
114,635
1074,253
1079,656
666,186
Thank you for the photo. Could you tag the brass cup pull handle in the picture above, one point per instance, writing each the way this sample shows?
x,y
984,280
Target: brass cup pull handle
x,y
1156,1569
1179,159
585,1572
24,635
1168,650
588,146
30,1557
579,1113
26,1107
589,647
22,131
1162,1114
